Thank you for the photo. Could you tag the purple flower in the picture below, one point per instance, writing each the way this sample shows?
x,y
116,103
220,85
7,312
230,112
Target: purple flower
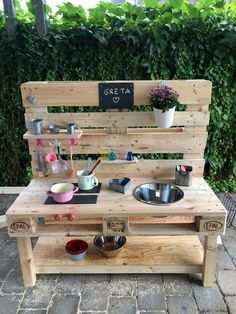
x,y
163,97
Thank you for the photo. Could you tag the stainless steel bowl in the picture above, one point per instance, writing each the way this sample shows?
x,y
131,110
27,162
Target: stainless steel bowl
x,y
54,128
158,193
108,245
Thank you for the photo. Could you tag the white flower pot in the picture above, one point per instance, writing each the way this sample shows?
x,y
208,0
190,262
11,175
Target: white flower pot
x,y
164,119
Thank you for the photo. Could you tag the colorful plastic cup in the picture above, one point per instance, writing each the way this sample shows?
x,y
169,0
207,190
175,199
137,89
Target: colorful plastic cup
x,y
51,158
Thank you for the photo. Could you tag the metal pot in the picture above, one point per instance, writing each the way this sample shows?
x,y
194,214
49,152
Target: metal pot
x,y
62,192
76,249
108,245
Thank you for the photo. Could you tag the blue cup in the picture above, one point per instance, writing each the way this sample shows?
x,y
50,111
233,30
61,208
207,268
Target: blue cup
x,y
130,156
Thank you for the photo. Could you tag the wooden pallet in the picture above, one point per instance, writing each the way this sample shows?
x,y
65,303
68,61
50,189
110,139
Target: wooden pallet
x,y
168,234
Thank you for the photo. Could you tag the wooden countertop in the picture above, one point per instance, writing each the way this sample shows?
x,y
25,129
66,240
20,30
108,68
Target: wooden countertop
x,y
199,200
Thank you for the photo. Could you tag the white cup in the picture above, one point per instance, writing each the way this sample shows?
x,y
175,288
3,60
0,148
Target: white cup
x,y
86,182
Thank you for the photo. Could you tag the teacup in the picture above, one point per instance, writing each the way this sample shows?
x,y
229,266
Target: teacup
x,y
86,182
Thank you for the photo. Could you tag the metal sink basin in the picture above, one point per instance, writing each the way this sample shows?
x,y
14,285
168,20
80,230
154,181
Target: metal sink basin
x,y
158,193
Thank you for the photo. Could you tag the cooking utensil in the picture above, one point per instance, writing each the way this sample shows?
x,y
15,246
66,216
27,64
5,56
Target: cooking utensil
x,y
87,166
109,246
62,192
40,157
189,168
73,171
60,166
182,168
39,161
52,157
95,166
54,128
76,249
120,184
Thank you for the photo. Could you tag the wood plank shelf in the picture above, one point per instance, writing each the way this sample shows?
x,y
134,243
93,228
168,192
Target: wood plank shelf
x,y
47,136
119,161
180,254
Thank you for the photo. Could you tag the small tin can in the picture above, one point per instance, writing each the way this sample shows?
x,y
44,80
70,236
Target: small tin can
x,y
71,128
37,126
184,178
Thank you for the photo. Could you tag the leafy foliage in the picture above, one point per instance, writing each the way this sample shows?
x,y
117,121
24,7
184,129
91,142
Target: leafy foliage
x,y
174,40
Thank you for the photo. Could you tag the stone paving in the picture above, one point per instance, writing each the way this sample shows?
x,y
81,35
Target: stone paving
x,y
115,294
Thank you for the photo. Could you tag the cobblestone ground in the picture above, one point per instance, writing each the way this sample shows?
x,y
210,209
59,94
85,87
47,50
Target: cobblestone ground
x,y
115,294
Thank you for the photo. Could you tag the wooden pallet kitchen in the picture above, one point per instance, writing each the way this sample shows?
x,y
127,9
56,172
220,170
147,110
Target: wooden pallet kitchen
x,y
160,239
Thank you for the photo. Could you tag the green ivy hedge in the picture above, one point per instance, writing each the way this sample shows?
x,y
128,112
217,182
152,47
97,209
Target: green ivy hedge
x,y
175,40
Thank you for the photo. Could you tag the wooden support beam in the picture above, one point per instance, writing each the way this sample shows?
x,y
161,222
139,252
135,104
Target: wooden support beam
x,y
27,262
40,17
10,15
3,221
209,262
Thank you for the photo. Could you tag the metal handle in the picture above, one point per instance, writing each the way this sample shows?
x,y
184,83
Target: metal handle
x,y
75,189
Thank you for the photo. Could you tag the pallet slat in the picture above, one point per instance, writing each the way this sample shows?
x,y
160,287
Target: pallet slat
x,y
143,168
192,92
141,143
48,136
117,119
71,229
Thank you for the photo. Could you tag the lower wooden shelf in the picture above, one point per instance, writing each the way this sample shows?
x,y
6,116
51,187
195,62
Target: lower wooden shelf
x,y
163,254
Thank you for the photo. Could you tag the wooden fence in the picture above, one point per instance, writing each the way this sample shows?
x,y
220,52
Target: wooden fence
x,y
11,20
40,15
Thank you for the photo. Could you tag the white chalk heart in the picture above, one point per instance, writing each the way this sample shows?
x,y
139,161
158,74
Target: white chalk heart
x,y
116,99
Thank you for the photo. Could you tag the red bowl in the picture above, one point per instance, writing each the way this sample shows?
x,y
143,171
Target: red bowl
x,y
76,246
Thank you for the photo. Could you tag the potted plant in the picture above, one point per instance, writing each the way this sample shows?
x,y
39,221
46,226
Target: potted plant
x,y
163,99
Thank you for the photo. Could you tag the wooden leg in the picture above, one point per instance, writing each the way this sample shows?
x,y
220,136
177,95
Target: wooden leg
x,y
209,262
26,260
3,221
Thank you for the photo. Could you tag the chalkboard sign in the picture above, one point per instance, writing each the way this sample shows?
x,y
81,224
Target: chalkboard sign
x,y
116,95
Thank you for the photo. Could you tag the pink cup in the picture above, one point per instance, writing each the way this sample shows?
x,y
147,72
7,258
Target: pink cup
x,y
62,192
51,158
